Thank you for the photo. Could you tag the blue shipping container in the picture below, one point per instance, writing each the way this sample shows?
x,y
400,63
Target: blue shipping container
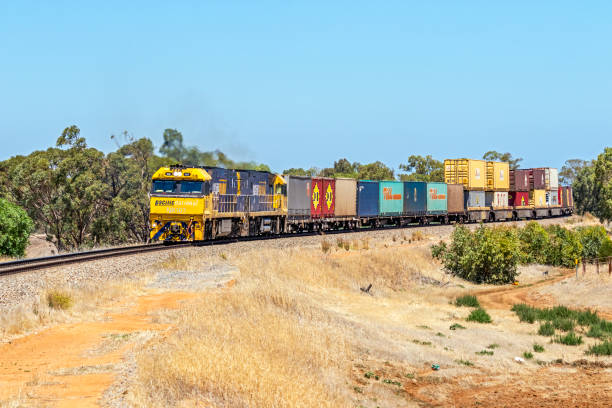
x,y
367,198
415,197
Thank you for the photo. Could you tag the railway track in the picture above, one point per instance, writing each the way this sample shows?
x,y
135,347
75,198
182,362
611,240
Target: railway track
x,y
23,265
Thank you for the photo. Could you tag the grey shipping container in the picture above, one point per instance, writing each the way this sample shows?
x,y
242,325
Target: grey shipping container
x,y
519,180
475,199
367,198
415,197
298,196
346,197
455,198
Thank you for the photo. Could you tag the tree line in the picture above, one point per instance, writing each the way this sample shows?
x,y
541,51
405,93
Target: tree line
x,y
81,197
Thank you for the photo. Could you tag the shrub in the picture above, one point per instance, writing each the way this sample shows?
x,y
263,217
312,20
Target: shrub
x,y
15,229
456,326
564,247
59,300
546,329
525,313
487,255
595,241
601,349
533,243
467,300
479,315
528,355
538,348
570,339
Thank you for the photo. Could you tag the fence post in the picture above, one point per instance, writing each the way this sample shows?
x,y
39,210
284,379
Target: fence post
x,y
610,265
583,268
597,265
576,268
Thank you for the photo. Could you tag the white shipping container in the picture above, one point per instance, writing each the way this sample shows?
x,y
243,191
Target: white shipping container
x,y
554,179
552,198
497,199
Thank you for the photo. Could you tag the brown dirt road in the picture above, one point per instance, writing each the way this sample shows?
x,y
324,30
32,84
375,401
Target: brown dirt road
x,y
71,365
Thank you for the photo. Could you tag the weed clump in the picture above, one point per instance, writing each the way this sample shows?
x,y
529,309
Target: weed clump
x,y
546,329
456,326
570,339
484,353
479,315
467,300
601,349
538,348
465,362
527,355
59,300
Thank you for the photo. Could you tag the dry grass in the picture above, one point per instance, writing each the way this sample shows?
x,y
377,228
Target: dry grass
x,y
63,304
276,339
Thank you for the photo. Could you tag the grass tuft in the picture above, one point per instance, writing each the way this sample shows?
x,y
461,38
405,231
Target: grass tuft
x,y
601,349
484,353
538,348
456,326
570,339
546,329
325,246
493,346
528,355
59,300
465,362
467,300
479,315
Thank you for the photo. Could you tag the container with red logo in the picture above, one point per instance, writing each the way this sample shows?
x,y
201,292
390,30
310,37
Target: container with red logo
x,y
391,197
437,201
518,198
322,197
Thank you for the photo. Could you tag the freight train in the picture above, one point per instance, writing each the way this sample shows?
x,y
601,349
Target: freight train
x,y
191,203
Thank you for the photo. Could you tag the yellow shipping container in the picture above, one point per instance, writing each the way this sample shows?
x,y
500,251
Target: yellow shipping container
x,y
470,173
498,176
537,198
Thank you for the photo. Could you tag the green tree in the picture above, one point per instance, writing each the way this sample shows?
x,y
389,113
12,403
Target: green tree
x,y
569,171
602,178
422,169
493,155
15,229
586,190
313,171
172,146
375,171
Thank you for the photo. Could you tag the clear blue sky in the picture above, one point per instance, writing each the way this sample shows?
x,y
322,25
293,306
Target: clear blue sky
x,y
297,84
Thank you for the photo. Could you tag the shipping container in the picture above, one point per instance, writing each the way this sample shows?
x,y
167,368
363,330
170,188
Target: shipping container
x,y
474,199
329,198
537,198
316,198
570,197
561,196
497,177
519,180
552,198
391,197
346,197
436,198
496,199
470,173
415,197
537,179
298,196
368,198
455,198
553,178
518,198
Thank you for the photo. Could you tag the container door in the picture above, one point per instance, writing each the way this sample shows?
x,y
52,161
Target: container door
x,y
329,198
316,202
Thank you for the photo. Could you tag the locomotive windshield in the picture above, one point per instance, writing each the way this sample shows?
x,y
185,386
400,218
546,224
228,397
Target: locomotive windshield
x,y
164,186
180,187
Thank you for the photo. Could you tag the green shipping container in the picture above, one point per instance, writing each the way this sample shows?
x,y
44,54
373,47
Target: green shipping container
x,y
436,198
391,197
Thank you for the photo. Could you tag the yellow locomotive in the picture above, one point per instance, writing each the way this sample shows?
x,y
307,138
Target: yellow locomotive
x,y
191,203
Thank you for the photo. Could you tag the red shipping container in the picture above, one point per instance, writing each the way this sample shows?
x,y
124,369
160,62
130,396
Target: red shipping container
x,y
328,206
570,197
561,196
519,180
316,198
518,198
537,179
